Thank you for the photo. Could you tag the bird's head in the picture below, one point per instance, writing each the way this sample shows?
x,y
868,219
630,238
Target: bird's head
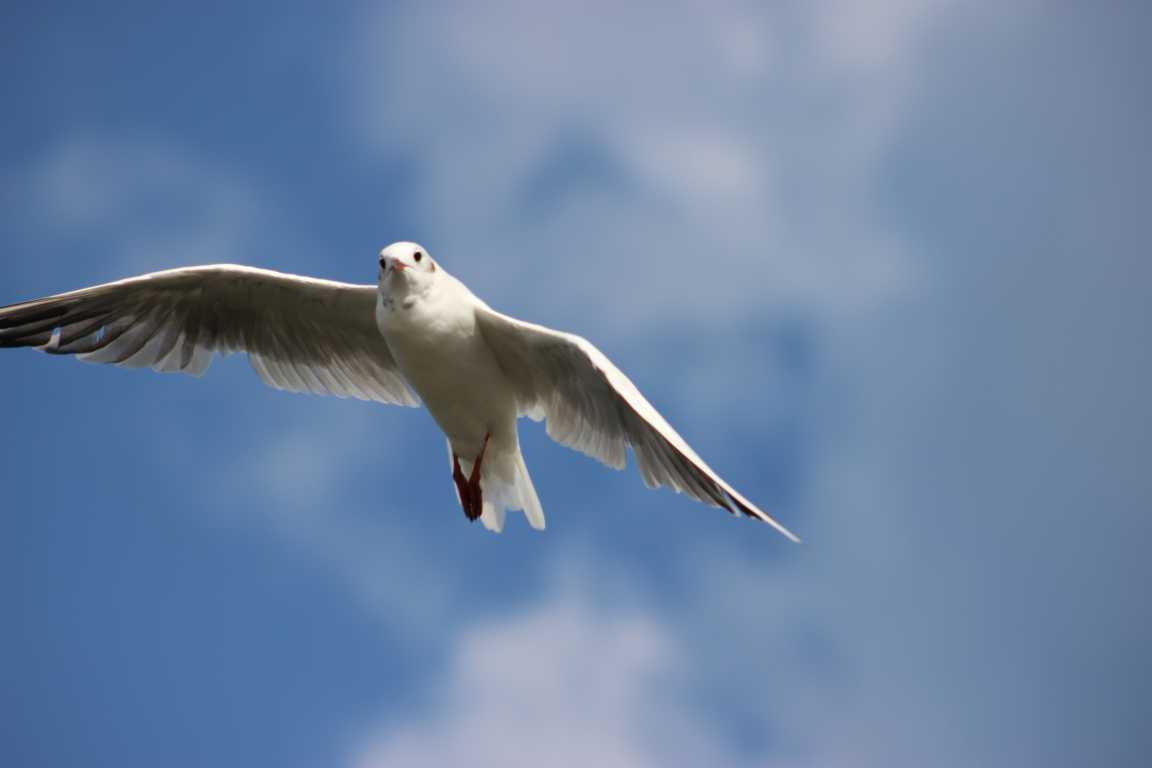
x,y
407,268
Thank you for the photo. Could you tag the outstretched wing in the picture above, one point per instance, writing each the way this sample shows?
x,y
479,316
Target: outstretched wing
x,y
590,405
301,334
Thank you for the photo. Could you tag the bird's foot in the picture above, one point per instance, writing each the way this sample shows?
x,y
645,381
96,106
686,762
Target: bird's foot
x,y
471,496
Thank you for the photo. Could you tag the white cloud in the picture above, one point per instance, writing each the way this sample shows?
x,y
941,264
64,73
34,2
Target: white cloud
x,y
739,150
717,118
948,608
872,36
567,682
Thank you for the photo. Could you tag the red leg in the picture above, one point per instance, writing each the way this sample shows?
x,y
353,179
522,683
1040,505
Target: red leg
x,y
475,478
471,497
464,488
474,481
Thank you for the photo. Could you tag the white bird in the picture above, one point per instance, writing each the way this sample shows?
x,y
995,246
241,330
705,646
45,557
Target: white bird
x,y
417,335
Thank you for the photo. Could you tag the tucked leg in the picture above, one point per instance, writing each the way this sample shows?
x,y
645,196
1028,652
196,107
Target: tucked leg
x,y
471,495
474,480
463,487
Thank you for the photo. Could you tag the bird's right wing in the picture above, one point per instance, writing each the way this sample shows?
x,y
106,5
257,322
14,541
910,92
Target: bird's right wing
x,y
301,334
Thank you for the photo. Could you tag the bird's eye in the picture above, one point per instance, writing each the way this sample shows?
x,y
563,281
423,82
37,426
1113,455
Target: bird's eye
x,y
419,255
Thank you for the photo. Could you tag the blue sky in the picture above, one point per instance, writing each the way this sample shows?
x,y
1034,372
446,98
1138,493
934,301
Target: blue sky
x,y
884,265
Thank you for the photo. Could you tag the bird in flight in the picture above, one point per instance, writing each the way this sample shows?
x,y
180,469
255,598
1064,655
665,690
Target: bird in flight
x,y
418,335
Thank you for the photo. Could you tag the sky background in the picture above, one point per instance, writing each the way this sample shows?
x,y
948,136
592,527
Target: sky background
x,y
884,264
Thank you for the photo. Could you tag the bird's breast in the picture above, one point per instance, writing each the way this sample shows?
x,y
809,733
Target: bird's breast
x,y
449,365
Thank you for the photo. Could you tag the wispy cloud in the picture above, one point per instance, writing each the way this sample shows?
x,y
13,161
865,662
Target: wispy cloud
x,y
570,681
723,193
924,622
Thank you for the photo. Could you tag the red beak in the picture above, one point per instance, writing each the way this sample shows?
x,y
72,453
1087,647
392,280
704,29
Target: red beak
x,y
399,266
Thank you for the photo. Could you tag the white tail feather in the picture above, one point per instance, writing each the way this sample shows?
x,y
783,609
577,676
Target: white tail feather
x,y
492,517
529,501
506,484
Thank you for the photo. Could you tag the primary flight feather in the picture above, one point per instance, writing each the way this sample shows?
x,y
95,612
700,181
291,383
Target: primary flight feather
x,y
418,335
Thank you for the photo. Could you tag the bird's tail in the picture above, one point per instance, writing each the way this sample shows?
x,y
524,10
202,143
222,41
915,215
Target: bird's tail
x,y
506,484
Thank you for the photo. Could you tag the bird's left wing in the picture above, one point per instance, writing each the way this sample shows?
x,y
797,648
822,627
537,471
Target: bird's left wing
x,y
300,333
590,405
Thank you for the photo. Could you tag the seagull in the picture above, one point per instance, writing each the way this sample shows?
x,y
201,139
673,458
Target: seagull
x,y
418,336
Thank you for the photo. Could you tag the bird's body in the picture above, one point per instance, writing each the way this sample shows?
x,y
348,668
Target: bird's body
x,y
435,339
419,335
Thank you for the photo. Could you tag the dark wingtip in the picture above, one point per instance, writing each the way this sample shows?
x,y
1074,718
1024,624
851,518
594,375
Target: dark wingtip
x,y
15,315
763,517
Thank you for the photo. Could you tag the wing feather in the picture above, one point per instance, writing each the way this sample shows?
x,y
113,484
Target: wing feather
x,y
590,405
301,334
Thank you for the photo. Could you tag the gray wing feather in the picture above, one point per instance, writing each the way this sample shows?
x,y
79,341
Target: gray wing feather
x,y
301,334
590,405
